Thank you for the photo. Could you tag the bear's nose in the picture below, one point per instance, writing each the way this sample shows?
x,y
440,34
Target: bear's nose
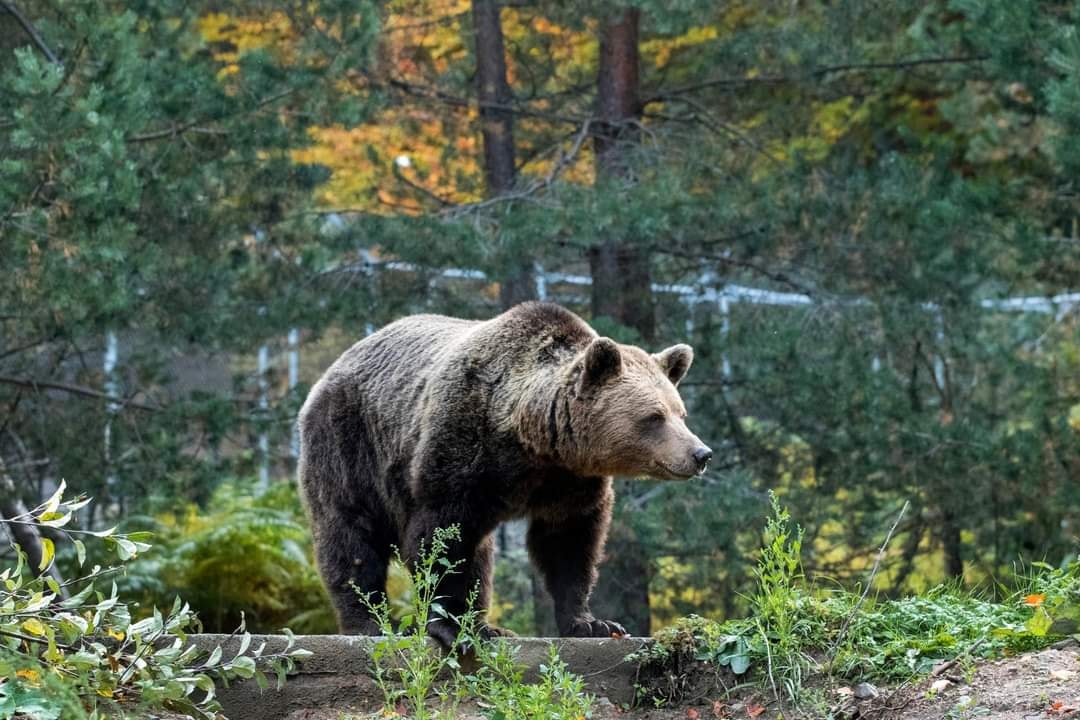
x,y
702,456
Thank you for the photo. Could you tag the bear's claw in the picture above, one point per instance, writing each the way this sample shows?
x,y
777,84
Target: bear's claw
x,y
591,627
491,631
446,632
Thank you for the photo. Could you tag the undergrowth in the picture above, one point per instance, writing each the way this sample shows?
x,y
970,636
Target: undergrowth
x,y
419,680
797,627
78,650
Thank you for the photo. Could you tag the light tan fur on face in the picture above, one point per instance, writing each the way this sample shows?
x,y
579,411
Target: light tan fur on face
x,y
635,422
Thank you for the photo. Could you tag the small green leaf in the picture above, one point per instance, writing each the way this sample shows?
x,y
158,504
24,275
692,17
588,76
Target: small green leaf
x,y
740,664
243,667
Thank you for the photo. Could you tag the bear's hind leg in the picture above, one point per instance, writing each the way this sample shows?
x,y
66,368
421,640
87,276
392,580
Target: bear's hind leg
x,y
352,561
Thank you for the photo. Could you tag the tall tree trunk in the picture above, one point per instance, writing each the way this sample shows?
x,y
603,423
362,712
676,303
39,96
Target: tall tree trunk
x,y
621,290
26,537
497,128
951,544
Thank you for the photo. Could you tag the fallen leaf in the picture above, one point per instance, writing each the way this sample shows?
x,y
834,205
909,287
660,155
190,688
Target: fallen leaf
x,y
720,710
31,676
753,710
940,685
693,714
1059,708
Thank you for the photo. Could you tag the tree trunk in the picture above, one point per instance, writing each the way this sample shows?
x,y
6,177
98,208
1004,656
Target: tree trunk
x,y
950,539
621,290
497,128
26,537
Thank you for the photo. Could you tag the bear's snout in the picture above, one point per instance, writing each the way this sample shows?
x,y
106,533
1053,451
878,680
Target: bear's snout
x,y
702,456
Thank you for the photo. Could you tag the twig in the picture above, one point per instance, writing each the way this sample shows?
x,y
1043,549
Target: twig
x,y
177,130
820,72
22,348
534,187
38,385
430,194
31,639
946,666
31,31
431,93
773,275
869,584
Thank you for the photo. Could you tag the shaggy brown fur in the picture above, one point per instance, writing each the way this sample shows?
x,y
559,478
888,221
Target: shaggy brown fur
x,y
435,421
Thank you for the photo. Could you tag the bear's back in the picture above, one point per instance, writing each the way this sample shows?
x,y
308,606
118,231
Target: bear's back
x,y
384,373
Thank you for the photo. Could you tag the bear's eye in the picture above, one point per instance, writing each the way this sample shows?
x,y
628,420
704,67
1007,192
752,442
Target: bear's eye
x,y
654,419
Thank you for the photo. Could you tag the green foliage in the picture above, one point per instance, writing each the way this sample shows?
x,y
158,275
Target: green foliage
x,y
409,668
75,651
781,622
260,537
498,683
799,627
146,188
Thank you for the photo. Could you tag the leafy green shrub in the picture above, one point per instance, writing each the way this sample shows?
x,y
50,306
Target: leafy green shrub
x,y
497,681
408,667
780,605
262,538
83,656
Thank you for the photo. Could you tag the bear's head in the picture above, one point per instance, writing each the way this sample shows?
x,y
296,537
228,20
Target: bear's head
x,y
630,415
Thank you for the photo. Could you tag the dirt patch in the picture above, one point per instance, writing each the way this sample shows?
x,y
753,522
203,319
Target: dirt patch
x,y
1037,686
1042,685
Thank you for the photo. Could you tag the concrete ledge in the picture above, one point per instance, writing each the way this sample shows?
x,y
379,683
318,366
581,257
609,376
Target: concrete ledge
x,y
339,674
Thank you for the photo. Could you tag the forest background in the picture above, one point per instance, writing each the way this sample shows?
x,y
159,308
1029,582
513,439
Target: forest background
x,y
863,215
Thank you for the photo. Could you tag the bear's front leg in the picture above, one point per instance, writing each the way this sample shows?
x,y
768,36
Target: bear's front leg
x,y
567,551
473,557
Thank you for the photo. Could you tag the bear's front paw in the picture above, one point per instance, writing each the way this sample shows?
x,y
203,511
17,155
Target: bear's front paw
x,y
447,632
591,627
444,631
488,632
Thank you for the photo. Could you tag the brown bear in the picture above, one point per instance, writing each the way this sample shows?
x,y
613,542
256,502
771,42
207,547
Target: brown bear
x,y
435,421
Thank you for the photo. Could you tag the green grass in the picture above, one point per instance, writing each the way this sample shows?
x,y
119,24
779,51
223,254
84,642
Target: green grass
x,y
797,628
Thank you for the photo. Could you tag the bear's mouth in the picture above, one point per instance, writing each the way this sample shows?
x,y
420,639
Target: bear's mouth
x,y
673,474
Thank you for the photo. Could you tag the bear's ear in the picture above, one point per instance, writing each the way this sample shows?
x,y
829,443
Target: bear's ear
x,y
602,361
675,361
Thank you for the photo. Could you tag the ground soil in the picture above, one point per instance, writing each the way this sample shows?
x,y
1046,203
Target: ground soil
x,y
1037,686
1043,685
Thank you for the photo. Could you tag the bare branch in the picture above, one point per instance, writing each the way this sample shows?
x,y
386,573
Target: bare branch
x,y
39,385
31,31
817,73
431,93
22,348
869,581
180,129
536,186
773,275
